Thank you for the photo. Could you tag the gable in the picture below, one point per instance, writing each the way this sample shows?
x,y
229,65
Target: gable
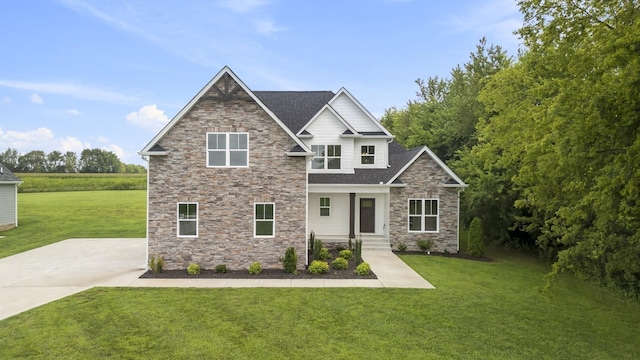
x,y
224,87
355,114
436,170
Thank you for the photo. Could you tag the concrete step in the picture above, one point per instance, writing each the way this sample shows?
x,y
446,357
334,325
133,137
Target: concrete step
x,y
376,245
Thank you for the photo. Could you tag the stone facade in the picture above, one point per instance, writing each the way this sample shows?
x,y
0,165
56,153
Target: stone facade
x,y
226,196
424,179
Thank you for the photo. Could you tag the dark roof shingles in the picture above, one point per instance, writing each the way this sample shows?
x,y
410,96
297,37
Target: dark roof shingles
x,y
6,175
294,108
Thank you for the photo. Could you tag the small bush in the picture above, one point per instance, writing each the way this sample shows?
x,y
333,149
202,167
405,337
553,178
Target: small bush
x,y
339,247
363,269
312,240
350,244
324,254
317,247
290,261
255,268
475,244
424,245
346,254
318,267
193,269
156,264
402,246
358,251
340,263
221,269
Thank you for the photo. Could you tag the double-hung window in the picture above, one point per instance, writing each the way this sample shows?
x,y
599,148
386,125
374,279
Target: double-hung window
x,y
325,206
264,219
326,156
367,154
227,149
423,215
187,219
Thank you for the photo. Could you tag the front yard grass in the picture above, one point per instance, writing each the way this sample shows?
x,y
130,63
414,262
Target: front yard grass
x,y
480,310
45,218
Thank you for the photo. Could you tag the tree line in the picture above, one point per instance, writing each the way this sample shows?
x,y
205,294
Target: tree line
x,y
90,161
548,141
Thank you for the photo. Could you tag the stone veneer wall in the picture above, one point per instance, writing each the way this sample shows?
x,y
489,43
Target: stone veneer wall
x,y
226,196
424,178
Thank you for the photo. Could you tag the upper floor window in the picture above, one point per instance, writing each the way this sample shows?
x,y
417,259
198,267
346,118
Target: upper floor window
x,y
326,156
187,219
423,215
227,149
367,154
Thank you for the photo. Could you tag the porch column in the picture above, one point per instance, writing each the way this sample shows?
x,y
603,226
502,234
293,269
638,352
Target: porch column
x,y
352,215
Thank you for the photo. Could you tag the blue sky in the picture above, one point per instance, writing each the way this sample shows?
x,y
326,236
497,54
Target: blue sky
x,y
78,74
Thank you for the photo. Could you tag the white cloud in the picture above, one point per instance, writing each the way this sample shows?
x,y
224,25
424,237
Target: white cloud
x,y
102,140
242,6
73,112
116,150
267,27
36,99
6,100
41,137
77,91
70,143
148,117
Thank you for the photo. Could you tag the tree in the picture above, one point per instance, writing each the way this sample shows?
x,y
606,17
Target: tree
x,y
55,162
475,245
70,162
98,161
9,158
32,162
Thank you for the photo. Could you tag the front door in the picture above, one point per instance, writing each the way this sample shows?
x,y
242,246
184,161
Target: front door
x,y
367,215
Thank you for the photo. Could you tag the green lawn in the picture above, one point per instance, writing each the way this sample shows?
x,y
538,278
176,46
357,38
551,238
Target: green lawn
x,y
55,182
45,218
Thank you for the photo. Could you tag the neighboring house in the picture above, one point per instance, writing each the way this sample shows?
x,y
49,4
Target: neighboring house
x,y
8,199
238,176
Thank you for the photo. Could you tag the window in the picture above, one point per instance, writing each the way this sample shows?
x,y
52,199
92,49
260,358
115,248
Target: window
x,y
227,149
367,155
264,219
423,215
187,219
326,156
325,206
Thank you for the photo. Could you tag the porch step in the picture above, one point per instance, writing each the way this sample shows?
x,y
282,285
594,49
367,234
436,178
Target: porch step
x,y
376,245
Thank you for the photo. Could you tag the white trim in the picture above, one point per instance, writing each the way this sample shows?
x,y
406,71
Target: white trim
x,y
273,221
438,161
227,150
202,92
324,206
362,108
178,220
423,216
335,113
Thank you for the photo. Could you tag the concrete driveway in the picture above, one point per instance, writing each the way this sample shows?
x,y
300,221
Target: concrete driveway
x,y
49,273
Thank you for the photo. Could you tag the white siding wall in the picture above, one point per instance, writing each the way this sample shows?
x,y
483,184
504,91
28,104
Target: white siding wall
x,y
381,153
352,114
326,130
335,225
7,204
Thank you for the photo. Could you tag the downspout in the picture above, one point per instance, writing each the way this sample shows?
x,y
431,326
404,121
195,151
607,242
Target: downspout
x,y
458,223
306,213
148,160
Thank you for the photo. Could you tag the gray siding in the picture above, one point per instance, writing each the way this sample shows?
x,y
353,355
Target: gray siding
x,y
7,205
226,196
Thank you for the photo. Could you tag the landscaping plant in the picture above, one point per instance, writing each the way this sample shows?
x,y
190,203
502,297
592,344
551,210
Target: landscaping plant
x,y
424,245
402,246
346,254
156,264
255,268
221,269
324,254
290,261
193,269
475,244
363,269
317,247
318,267
340,264
358,251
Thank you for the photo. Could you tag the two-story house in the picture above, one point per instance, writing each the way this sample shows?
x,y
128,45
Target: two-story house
x,y
238,176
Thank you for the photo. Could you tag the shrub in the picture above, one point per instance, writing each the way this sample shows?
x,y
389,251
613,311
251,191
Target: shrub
x,y
193,269
358,251
402,246
255,268
350,244
346,254
221,269
340,263
424,245
312,240
363,269
317,247
290,261
156,264
339,247
324,254
475,243
318,267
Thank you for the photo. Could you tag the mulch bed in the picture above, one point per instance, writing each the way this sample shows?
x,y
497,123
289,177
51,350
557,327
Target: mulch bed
x,y
265,274
449,255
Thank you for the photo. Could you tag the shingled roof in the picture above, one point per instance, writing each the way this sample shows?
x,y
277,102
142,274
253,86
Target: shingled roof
x,y
7,176
294,108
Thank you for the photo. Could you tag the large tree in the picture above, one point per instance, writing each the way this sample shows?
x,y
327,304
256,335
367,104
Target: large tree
x,y
99,161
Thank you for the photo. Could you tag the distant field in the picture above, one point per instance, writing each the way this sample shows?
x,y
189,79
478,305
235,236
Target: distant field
x,y
80,182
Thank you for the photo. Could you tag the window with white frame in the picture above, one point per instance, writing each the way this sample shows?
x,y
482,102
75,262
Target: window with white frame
x,y
264,219
423,215
367,154
325,206
227,149
187,219
326,156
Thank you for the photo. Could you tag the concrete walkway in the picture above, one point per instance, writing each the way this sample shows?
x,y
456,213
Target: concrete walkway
x,y
49,273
